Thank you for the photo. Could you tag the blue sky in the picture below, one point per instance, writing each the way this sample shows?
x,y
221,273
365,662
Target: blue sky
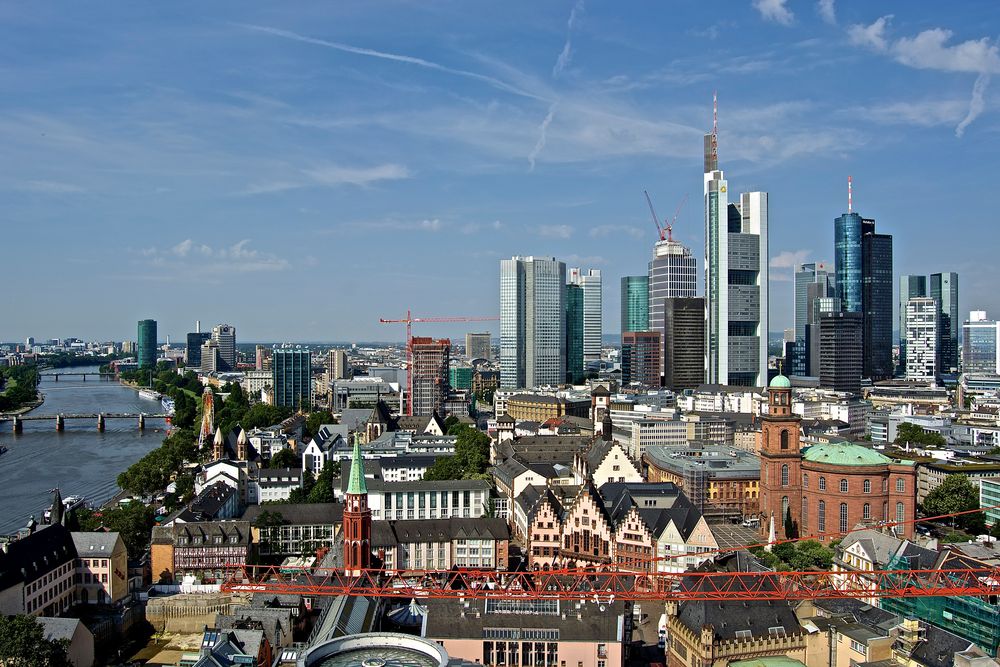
x,y
301,169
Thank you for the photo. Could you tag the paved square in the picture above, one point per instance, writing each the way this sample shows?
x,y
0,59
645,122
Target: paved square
x,y
731,536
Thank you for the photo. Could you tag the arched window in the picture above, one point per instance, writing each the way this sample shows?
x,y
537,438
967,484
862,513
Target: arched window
x,y
885,485
900,485
784,508
784,475
822,483
805,513
868,486
805,480
843,517
843,486
867,512
900,513
784,438
821,516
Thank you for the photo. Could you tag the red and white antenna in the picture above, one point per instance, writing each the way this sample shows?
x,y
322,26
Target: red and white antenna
x,y
715,128
850,194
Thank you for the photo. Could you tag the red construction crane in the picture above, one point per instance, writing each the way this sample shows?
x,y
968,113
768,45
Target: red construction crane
x,y
606,585
656,221
409,320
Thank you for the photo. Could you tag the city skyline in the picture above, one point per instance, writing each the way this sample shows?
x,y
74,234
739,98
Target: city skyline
x,y
152,198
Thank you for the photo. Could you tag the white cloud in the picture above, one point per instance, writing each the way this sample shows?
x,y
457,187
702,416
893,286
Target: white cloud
x,y
566,55
331,176
554,231
976,105
922,113
617,230
827,11
774,10
196,260
475,227
50,187
542,131
788,259
872,36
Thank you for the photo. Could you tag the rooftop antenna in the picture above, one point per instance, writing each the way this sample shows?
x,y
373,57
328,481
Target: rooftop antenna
x,y
850,194
715,128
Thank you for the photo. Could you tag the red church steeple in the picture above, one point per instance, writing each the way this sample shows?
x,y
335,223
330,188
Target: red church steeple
x,y
357,519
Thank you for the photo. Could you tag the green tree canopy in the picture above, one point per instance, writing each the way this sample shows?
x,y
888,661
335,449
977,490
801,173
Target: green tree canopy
x,y
472,456
133,521
908,433
955,494
286,458
316,419
23,644
322,491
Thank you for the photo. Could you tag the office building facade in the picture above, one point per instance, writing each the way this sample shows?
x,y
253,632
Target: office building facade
x,y
980,338
146,344
225,336
923,339
479,346
841,362
641,358
429,374
863,269
192,349
291,377
593,309
574,333
812,280
532,322
337,365
909,287
683,339
672,273
635,303
944,290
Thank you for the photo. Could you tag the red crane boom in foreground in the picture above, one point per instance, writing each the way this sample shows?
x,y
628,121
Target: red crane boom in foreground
x,y
607,586
409,320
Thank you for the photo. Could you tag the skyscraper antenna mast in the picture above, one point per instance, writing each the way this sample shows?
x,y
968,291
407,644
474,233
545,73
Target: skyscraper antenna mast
x,y
715,128
850,194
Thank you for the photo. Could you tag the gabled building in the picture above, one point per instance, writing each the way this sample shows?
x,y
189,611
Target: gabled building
x,y
37,572
227,648
605,461
101,568
206,551
441,544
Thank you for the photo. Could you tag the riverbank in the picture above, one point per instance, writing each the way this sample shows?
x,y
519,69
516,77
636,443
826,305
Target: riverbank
x,y
25,409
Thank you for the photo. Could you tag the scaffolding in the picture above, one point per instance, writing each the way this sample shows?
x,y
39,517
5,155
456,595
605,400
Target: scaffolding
x,y
975,618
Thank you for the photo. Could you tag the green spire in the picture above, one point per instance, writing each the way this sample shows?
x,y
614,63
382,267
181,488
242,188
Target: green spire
x,y
357,484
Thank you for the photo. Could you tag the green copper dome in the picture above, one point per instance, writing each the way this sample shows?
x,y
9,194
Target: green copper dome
x,y
781,382
844,454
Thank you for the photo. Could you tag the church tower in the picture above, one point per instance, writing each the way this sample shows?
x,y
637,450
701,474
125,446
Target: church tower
x,y
780,461
357,519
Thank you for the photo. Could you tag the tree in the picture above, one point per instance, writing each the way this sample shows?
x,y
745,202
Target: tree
x,y
23,644
316,419
133,521
955,494
286,458
322,492
450,421
908,433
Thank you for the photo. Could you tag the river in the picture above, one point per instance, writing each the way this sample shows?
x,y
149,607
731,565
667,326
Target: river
x,y
81,461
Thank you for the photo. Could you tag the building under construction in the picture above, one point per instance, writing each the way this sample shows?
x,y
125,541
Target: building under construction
x,y
429,374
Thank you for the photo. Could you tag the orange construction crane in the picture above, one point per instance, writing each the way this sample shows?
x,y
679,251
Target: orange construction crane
x,y
606,585
409,320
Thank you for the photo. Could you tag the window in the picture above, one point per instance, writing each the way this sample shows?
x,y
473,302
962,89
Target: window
x,y
843,486
900,513
821,515
867,512
805,480
822,483
805,513
858,647
900,485
843,517
868,486
784,438
784,475
784,508
885,511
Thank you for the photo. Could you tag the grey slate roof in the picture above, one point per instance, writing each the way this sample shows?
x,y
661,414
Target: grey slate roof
x,y
299,514
35,555
97,544
446,530
726,618
447,619
56,628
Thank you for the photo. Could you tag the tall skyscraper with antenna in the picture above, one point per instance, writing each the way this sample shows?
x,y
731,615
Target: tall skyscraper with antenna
x,y
736,275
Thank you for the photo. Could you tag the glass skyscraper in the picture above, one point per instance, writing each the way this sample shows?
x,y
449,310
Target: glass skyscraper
x,y
807,275
980,339
673,273
146,344
532,322
291,377
225,336
910,287
593,310
574,333
847,260
944,290
635,303
863,269
736,274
